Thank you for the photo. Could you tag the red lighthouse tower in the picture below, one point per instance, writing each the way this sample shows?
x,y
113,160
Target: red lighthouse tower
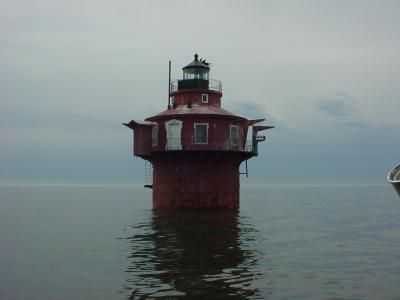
x,y
195,146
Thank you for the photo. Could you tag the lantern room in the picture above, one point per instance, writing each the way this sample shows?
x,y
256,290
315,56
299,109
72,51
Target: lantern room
x,y
195,75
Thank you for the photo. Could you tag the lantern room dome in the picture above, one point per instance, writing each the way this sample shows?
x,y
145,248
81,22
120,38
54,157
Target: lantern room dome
x,y
197,64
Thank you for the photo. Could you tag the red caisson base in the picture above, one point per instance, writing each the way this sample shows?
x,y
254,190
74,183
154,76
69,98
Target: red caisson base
x,y
196,180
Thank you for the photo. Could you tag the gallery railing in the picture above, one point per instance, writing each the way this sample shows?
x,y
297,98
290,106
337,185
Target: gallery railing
x,y
172,144
212,85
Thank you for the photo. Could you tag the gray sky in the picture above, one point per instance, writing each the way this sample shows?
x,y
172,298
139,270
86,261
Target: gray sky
x,y
326,73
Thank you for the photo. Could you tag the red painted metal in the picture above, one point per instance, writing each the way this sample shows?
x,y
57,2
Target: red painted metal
x,y
214,98
184,111
187,173
198,179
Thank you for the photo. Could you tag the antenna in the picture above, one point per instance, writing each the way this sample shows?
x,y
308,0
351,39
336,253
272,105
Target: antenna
x,y
169,85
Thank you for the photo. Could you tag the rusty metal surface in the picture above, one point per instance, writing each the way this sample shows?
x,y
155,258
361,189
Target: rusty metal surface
x,y
196,181
184,110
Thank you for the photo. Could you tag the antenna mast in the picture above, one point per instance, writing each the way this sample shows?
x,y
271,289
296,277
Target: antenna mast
x,y
169,85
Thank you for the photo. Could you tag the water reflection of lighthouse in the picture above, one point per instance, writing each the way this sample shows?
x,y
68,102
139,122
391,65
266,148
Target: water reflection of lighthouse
x,y
179,255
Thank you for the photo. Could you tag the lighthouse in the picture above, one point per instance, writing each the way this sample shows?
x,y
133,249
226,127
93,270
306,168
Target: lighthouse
x,y
195,146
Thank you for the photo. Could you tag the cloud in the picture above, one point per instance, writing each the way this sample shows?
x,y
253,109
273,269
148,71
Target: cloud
x,y
252,110
54,120
339,105
249,110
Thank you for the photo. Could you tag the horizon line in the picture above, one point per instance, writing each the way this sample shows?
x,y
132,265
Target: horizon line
x,y
139,184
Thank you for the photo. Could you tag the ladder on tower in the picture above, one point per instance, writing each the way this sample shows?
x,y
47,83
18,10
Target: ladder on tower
x,y
246,172
148,174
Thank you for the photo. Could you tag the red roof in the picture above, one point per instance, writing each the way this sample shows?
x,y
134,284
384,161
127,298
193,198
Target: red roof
x,y
183,110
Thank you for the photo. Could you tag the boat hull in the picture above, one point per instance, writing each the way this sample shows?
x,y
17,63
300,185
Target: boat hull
x,y
394,178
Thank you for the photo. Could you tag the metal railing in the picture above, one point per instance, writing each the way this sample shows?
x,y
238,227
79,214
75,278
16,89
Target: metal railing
x,y
213,85
148,174
172,144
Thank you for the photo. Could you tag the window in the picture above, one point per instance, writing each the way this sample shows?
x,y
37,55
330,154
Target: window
x,y
204,98
154,135
234,135
195,74
201,133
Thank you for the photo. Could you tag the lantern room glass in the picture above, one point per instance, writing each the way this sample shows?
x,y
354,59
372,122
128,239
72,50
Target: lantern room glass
x,y
195,74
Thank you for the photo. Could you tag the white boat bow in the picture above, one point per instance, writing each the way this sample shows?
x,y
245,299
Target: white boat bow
x,y
394,178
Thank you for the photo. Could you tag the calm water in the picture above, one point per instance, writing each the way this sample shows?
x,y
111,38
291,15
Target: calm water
x,y
88,242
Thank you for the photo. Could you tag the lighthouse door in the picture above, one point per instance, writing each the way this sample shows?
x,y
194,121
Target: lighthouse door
x,y
174,128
